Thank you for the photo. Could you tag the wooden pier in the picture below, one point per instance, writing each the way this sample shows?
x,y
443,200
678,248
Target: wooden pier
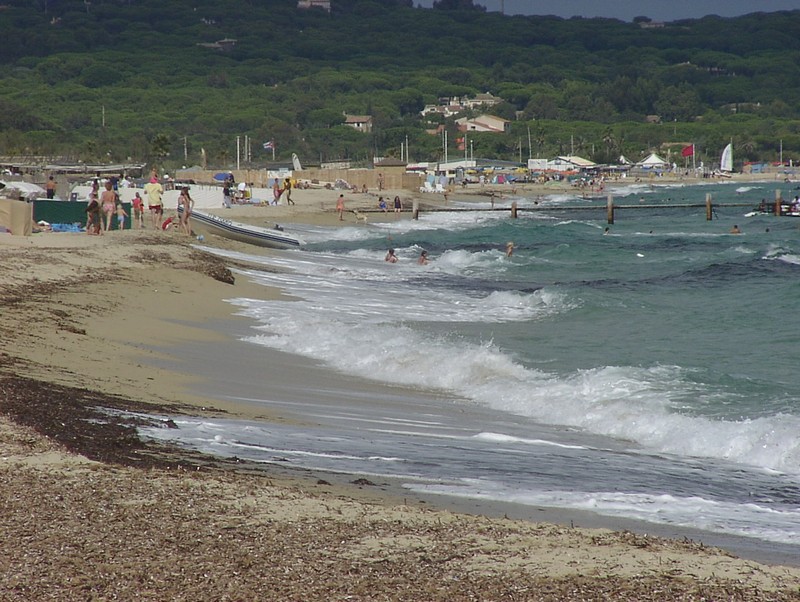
x,y
610,207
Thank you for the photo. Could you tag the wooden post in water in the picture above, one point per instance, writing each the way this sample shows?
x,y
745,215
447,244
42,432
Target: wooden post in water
x,y
514,209
610,209
709,208
778,202
415,210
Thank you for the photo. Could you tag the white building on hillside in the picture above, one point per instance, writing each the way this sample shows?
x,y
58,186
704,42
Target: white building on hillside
x,y
323,4
483,123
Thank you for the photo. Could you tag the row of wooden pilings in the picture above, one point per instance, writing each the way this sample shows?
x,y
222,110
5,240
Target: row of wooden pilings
x,y
610,207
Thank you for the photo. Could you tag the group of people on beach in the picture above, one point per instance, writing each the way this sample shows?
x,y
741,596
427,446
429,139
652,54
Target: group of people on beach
x,y
397,205
101,207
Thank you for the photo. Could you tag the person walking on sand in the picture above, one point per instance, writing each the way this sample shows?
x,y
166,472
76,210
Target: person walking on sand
x,y
138,211
185,206
51,188
108,203
226,194
121,215
154,191
287,190
276,192
340,207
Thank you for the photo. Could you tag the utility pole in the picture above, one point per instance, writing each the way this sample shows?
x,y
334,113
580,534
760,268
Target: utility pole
x,y
530,151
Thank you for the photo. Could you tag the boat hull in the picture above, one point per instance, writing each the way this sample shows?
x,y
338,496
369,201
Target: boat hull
x,y
254,235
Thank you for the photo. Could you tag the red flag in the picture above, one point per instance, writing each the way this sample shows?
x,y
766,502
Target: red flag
x,y
687,151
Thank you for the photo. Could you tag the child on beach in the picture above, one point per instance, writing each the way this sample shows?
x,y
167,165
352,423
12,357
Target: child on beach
x,y
93,215
138,210
121,215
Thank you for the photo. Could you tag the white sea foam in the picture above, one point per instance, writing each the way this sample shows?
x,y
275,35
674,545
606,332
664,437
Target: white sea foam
x,y
502,438
355,318
747,520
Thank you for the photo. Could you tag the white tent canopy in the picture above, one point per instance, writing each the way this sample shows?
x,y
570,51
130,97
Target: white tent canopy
x,y
653,160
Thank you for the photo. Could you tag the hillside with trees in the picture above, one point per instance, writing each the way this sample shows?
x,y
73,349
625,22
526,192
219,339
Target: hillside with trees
x,y
149,80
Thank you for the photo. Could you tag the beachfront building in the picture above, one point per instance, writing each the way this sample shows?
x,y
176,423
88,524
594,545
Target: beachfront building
x,y
562,164
362,123
483,123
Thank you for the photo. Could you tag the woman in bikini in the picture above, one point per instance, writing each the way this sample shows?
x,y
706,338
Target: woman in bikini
x,y
185,205
108,205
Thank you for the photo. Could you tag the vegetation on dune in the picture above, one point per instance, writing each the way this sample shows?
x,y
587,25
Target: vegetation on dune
x,y
109,80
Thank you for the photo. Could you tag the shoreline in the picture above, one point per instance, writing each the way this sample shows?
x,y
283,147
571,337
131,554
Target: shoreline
x,y
94,315
231,373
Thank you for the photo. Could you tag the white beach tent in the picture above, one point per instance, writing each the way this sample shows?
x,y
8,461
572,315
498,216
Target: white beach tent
x,y
653,161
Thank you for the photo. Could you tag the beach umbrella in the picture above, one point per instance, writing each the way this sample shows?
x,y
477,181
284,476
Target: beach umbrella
x,y
221,176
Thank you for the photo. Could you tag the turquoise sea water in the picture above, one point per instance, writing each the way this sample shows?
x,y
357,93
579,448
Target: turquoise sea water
x,y
651,372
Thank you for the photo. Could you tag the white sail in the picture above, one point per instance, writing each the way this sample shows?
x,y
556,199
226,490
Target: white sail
x,y
726,162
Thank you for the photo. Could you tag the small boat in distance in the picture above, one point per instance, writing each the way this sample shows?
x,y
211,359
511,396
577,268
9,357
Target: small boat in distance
x,y
274,238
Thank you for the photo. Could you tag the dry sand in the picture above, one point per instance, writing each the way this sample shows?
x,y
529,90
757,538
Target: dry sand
x,y
90,512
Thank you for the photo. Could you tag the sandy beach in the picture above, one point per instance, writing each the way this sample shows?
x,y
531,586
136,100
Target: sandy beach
x,y
94,324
